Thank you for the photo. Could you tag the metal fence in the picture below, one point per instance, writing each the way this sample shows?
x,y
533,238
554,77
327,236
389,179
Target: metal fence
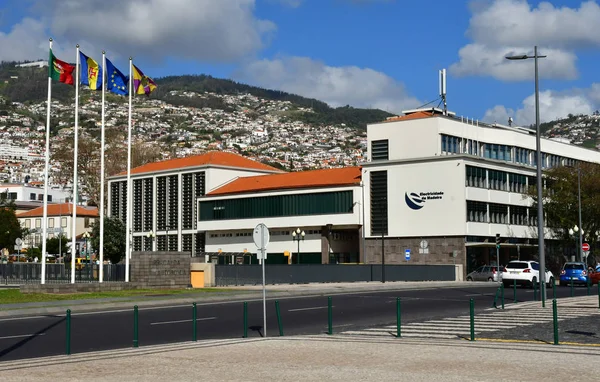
x,y
31,273
328,273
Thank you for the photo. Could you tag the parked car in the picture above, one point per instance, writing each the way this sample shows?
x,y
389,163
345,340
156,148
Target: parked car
x,y
526,273
573,271
485,273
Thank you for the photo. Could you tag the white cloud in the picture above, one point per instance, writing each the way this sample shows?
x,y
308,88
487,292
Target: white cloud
x,y
207,30
25,41
338,86
513,26
553,105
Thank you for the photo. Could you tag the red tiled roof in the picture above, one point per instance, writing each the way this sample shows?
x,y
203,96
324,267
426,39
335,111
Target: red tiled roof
x,y
217,158
63,209
416,115
303,179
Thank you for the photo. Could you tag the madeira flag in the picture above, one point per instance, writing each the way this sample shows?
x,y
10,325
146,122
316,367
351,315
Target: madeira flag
x,y
91,72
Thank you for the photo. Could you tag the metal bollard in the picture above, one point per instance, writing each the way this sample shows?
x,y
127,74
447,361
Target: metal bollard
x,y
135,327
472,316
398,319
554,289
330,314
245,320
194,320
68,332
278,318
502,294
555,321
515,291
598,294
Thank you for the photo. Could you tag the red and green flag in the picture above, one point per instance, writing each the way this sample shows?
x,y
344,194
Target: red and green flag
x,y
60,70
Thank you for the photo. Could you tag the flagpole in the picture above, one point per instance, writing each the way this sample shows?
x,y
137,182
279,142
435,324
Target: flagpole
x,y
46,169
75,144
101,266
128,214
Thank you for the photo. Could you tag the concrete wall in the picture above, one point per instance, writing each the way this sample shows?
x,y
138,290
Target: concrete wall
x,y
161,269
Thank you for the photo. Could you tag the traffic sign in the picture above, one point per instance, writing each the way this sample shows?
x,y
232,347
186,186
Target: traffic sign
x,y
18,241
585,247
261,236
407,254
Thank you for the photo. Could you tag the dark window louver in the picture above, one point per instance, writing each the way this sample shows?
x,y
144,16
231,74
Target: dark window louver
x,y
380,150
379,203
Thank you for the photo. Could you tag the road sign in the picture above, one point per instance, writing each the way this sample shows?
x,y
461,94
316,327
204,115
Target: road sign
x,y
261,236
261,239
586,253
18,241
585,247
407,254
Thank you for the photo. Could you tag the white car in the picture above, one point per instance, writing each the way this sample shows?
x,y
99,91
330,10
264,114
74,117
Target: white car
x,y
525,273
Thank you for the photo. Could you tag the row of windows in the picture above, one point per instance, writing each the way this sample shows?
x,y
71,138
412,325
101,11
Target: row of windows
x,y
271,233
497,180
482,212
457,145
87,222
322,203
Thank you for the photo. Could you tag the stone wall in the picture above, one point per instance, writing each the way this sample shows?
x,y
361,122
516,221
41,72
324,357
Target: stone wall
x,y
439,251
79,287
161,269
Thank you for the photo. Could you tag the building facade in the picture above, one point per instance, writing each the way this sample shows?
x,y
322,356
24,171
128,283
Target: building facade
x,y
27,197
441,188
164,194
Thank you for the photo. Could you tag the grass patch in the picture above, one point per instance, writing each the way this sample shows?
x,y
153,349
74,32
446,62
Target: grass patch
x,y
14,296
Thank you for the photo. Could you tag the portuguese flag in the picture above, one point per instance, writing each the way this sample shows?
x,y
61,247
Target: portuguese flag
x,y
60,70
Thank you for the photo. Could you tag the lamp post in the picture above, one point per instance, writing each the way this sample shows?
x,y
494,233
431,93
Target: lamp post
x,y
580,250
167,239
579,232
86,236
540,206
298,235
151,235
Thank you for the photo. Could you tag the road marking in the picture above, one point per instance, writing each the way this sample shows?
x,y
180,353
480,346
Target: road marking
x,y
301,309
180,321
22,335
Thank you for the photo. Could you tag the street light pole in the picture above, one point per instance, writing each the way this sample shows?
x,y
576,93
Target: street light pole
x,y
540,206
580,250
298,235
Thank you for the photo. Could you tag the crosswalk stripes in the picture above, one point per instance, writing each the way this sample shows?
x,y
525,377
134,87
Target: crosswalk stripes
x,y
485,322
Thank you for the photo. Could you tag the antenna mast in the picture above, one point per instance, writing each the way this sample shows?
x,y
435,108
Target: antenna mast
x,y
443,89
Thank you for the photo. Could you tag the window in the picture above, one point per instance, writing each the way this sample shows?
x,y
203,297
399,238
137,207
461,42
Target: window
x,y
41,197
379,203
321,203
38,223
86,222
28,223
476,212
50,222
450,144
475,177
517,183
532,216
32,196
50,198
63,222
498,213
9,195
518,215
380,150
497,180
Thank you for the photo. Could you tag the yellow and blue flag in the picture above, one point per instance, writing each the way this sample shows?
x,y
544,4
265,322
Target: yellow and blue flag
x,y
116,81
91,72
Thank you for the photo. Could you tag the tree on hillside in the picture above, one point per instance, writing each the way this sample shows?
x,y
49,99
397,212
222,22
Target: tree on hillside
x,y
114,238
10,228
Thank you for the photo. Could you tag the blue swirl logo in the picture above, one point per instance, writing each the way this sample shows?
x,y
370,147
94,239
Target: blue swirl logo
x,y
413,200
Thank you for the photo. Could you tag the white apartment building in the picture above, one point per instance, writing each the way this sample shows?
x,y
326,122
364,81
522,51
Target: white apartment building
x,y
442,188
27,197
60,221
13,153
164,197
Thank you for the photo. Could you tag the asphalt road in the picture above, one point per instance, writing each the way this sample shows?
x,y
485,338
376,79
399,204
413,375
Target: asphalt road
x,y
27,337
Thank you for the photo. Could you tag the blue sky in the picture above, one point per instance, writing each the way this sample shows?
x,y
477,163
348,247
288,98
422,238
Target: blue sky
x,y
365,53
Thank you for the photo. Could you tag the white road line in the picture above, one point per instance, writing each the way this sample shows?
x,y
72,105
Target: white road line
x,y
22,335
314,308
180,321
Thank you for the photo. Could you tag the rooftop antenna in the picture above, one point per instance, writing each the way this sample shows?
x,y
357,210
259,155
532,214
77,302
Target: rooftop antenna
x,y
443,89
510,121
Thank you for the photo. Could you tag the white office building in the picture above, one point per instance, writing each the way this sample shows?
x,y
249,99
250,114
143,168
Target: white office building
x,y
440,188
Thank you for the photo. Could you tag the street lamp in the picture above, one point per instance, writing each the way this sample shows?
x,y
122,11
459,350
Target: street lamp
x,y
151,235
86,236
167,239
298,235
540,207
574,231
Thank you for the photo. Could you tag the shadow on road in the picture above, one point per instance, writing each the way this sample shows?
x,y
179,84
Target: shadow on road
x,y
28,339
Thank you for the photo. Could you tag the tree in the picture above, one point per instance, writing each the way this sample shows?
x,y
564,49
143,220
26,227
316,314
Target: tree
x,y
10,228
114,238
52,245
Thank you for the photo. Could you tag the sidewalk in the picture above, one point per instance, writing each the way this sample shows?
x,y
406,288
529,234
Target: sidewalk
x,y
230,293
315,358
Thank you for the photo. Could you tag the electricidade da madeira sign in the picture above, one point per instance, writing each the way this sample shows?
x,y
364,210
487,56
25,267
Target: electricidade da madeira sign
x,y
416,201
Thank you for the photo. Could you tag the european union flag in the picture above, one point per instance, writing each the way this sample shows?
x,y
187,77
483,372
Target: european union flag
x,y
116,81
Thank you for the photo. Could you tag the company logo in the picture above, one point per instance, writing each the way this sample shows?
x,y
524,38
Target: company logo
x,y
416,201
413,200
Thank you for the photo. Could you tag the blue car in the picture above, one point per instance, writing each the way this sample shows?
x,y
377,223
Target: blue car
x,y
575,271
